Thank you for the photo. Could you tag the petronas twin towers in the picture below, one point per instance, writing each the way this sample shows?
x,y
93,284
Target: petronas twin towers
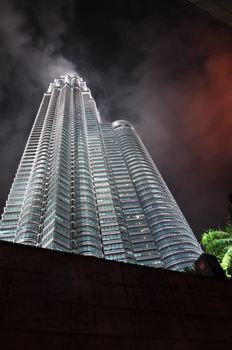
x,y
89,187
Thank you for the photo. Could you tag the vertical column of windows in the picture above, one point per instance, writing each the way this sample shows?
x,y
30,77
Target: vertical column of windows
x,y
121,240
140,236
28,230
56,231
10,217
87,236
165,219
99,175
73,139
115,241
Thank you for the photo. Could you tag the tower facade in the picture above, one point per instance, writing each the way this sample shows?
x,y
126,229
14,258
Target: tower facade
x,y
91,188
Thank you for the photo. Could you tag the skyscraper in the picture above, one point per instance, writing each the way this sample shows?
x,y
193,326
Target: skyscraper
x,y
91,188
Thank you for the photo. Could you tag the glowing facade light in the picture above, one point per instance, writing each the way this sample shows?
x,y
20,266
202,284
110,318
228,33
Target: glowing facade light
x,y
91,188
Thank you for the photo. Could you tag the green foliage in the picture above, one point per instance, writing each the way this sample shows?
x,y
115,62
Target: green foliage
x,y
229,229
219,243
227,262
216,242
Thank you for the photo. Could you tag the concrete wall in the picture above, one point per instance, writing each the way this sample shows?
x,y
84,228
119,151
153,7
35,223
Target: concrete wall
x,y
52,300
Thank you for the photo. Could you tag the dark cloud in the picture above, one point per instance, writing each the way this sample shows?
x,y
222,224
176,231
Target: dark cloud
x,y
162,65
26,68
186,118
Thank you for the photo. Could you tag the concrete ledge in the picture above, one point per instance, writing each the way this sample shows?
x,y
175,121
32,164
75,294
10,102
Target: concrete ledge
x,y
57,301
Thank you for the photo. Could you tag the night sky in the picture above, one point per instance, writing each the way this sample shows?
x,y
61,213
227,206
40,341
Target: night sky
x,y
163,65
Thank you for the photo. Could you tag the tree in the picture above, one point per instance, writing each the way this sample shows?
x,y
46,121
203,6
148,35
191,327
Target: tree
x,y
227,262
219,243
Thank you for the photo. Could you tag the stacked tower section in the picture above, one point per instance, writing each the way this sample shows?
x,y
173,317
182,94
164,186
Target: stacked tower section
x,y
91,188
